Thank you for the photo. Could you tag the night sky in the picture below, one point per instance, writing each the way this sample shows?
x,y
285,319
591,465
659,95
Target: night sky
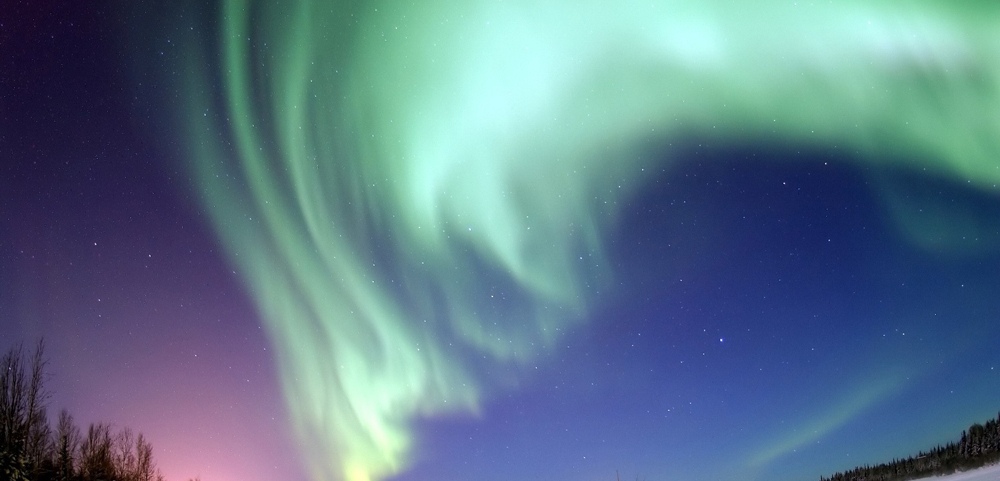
x,y
488,241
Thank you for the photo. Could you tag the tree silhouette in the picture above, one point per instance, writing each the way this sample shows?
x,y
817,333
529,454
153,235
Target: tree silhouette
x,y
23,429
67,445
977,447
30,450
96,462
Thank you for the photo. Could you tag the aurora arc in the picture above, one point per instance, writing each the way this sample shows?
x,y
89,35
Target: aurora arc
x,y
379,173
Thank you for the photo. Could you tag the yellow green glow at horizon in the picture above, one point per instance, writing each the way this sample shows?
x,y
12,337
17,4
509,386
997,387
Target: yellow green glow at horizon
x,y
416,194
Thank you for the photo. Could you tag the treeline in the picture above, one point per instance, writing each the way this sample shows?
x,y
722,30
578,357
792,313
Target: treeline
x,y
33,450
978,446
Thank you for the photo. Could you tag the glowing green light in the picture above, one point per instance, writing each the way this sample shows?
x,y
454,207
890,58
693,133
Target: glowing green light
x,y
409,186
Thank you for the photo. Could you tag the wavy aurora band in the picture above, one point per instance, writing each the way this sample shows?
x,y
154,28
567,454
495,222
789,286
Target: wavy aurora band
x,y
415,193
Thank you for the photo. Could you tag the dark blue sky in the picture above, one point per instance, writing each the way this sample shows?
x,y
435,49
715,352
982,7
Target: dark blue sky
x,y
775,312
798,332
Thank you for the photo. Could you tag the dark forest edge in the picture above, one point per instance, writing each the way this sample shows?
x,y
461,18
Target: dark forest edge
x,y
979,446
33,450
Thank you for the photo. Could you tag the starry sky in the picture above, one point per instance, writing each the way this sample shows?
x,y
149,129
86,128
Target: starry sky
x,y
485,240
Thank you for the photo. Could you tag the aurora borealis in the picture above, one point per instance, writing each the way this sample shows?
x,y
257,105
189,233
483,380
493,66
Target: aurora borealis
x,y
494,240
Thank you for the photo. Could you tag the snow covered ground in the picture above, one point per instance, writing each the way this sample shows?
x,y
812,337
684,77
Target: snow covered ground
x,y
988,473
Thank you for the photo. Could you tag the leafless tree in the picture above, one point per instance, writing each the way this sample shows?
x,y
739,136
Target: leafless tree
x,y
125,462
38,448
30,450
67,445
24,431
96,455
145,466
